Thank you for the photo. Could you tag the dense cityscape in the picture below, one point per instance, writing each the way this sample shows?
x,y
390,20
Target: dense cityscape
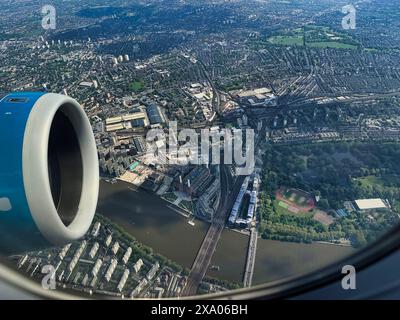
x,y
322,100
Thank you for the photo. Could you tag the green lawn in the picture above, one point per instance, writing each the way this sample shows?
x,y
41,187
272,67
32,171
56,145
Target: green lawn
x,y
331,44
296,40
381,184
136,86
397,206
186,205
282,208
170,196
316,37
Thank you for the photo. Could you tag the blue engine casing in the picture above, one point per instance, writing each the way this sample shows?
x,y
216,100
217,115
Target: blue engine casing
x,y
30,210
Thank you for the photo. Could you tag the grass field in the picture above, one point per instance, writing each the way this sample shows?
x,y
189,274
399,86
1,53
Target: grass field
x,y
296,40
316,37
136,86
283,208
170,196
381,184
333,44
397,206
184,204
294,202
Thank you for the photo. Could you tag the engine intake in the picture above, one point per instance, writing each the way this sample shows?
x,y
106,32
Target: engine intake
x,y
49,176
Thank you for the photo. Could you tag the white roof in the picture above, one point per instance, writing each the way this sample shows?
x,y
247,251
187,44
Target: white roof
x,y
86,84
366,204
248,93
127,117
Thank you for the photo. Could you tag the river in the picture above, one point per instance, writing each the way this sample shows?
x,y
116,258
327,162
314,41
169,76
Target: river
x,y
157,224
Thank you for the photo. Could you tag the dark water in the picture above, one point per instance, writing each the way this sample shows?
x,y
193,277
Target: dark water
x,y
276,260
230,256
152,221
155,223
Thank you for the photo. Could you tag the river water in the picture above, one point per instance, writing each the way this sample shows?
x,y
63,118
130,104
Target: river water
x,y
157,224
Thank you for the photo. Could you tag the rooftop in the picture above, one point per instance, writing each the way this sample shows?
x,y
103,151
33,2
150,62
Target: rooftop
x,y
367,204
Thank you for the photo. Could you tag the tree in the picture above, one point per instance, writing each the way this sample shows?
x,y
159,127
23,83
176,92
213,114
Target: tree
x,y
359,239
324,204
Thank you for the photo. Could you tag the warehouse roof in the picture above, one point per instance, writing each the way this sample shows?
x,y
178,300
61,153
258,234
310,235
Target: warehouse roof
x,y
367,204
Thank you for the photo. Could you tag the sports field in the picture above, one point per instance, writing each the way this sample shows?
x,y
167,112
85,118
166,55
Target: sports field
x,y
294,201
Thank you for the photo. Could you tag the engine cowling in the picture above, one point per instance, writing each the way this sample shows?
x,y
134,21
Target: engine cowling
x,y
49,176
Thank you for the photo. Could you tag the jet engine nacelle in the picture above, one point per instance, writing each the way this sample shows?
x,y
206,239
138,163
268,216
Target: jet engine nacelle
x,y
49,176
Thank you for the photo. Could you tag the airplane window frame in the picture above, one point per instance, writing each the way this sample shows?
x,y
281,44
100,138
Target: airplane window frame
x,y
279,289
366,256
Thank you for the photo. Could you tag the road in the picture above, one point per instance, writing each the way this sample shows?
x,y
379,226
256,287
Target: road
x,y
206,251
204,255
216,101
251,258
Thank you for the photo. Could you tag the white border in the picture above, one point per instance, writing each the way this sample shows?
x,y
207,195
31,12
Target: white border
x,y
35,169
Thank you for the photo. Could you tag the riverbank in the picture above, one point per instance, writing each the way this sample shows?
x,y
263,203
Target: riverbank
x,y
158,225
152,221
335,244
